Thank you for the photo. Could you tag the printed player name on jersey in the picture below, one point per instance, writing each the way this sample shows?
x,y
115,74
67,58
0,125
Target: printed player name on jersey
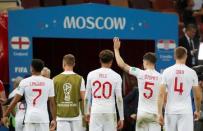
x,y
179,71
37,84
102,75
149,77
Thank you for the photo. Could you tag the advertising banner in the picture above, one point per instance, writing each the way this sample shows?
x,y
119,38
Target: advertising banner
x,y
89,21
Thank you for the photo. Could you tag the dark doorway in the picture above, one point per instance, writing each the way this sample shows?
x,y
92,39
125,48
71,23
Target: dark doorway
x,y
86,51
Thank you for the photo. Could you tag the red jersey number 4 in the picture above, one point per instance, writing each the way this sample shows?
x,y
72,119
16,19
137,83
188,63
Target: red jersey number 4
x,y
178,88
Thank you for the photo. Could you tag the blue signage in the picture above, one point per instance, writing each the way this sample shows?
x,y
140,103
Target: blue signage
x,y
88,21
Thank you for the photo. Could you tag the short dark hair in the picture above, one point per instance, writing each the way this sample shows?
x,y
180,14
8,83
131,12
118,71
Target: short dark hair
x,y
106,56
180,52
69,59
151,57
190,27
37,65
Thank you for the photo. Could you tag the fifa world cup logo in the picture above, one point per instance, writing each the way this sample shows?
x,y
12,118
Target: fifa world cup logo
x,y
67,89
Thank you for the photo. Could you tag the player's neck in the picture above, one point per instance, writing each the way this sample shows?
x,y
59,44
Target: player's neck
x,y
68,68
36,73
182,62
150,67
105,66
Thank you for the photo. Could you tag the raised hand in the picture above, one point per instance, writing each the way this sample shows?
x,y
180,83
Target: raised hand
x,y
117,43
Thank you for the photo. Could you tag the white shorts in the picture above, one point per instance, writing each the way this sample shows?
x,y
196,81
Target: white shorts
x,y
36,127
19,126
181,122
103,122
74,125
147,122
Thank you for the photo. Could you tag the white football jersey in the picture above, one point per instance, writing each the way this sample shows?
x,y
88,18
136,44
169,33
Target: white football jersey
x,y
148,85
37,90
179,80
105,85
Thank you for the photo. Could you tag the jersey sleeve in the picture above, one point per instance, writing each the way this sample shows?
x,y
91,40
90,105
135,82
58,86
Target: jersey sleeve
x,y
195,79
21,88
1,87
118,90
119,98
51,91
82,87
135,71
88,88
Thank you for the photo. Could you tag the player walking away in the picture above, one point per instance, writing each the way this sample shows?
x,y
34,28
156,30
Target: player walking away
x,y
69,93
179,80
37,90
148,85
102,90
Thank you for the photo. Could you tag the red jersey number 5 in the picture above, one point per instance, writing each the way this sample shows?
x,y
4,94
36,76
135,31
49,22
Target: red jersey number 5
x,y
148,86
39,93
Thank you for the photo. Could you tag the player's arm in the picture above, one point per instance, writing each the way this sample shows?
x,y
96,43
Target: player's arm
x,y
52,106
197,97
2,97
87,99
161,100
118,57
16,99
2,93
119,101
2,101
82,95
12,105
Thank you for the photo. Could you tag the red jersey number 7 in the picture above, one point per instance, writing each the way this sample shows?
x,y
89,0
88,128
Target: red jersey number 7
x,y
39,93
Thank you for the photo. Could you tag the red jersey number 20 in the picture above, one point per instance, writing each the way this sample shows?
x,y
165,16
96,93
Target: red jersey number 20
x,y
104,87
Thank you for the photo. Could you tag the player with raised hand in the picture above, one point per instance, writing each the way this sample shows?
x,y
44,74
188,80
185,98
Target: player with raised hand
x,y
178,80
148,85
102,90
36,90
